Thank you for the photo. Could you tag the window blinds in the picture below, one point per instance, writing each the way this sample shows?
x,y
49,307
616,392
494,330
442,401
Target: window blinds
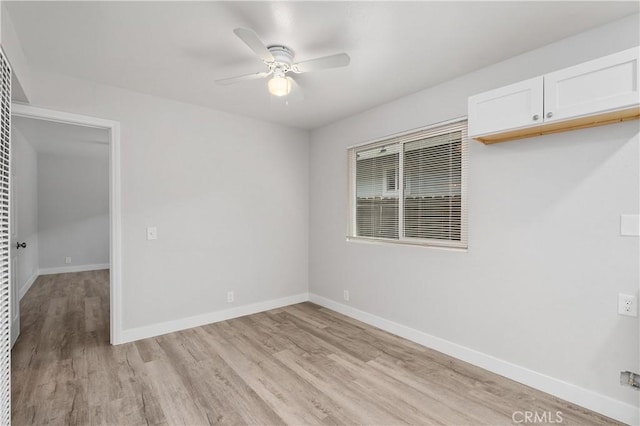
x,y
377,193
412,188
432,196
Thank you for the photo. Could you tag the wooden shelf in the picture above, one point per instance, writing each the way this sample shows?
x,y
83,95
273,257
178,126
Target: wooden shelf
x,y
562,126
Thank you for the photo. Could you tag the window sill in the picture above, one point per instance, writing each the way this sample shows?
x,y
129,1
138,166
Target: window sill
x,y
384,241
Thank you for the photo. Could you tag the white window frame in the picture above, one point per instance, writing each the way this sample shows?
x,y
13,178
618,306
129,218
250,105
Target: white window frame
x,y
458,124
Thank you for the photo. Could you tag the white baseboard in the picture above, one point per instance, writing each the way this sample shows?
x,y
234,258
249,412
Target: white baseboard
x,y
594,401
74,268
27,285
152,330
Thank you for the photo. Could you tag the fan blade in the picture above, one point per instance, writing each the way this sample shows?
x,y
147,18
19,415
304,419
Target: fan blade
x,y
251,39
332,61
238,79
296,94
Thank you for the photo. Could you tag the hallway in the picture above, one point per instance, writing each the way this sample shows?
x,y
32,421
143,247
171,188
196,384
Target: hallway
x,y
64,336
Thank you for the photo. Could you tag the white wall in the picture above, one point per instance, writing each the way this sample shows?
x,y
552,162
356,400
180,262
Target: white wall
x,y
24,163
73,209
538,286
228,195
21,76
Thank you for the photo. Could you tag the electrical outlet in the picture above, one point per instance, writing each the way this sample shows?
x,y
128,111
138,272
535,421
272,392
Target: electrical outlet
x,y
346,295
627,305
67,260
229,297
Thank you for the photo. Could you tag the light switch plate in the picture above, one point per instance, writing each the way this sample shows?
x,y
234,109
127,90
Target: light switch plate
x,y
630,225
152,233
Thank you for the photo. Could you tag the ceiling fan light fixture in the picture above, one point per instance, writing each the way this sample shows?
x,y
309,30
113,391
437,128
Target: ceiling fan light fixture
x,y
279,60
279,85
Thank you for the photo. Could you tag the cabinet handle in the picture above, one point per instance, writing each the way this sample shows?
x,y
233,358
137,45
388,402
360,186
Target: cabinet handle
x,y
549,114
536,117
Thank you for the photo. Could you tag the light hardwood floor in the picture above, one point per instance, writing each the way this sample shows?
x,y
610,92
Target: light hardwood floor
x,y
302,364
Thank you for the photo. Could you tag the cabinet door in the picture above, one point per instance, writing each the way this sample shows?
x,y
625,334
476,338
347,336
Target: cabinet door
x,y
509,107
603,84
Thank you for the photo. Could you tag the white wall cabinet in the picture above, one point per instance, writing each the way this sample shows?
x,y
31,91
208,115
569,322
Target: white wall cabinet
x,y
509,107
594,93
599,85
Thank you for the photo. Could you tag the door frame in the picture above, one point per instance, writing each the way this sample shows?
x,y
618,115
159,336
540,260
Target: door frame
x,y
115,213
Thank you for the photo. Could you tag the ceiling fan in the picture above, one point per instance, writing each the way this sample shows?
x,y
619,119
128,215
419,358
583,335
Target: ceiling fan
x,y
279,61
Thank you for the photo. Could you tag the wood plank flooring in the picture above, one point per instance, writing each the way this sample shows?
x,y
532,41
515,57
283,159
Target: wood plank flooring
x,y
302,364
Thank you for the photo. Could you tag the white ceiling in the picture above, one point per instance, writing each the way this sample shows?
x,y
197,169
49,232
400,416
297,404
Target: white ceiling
x,y
63,139
177,49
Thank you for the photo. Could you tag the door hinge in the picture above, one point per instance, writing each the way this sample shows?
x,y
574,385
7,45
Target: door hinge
x,y
628,378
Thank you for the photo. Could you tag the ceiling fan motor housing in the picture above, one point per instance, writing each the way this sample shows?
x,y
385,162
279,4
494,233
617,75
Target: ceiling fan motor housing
x,y
282,55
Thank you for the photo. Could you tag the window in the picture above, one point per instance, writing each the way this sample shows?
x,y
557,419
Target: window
x,y
411,188
390,181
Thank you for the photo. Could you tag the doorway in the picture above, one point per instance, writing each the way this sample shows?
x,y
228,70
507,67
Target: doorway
x,y
112,129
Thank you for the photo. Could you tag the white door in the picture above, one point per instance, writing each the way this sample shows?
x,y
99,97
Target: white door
x,y
5,241
15,272
509,107
606,83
